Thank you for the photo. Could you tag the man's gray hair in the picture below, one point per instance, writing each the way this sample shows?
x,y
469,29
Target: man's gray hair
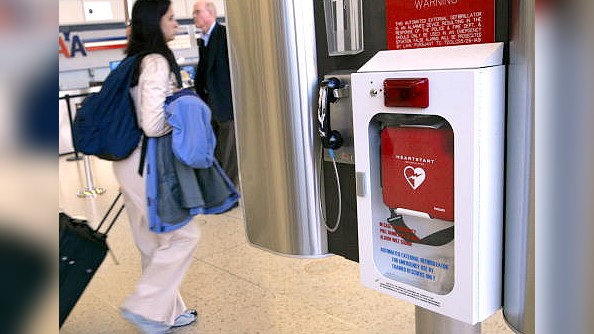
x,y
211,8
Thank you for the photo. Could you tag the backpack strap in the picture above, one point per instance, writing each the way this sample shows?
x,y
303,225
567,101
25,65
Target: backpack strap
x,y
438,238
142,155
136,74
178,77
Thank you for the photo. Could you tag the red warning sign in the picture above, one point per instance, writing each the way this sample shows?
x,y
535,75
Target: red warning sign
x,y
431,23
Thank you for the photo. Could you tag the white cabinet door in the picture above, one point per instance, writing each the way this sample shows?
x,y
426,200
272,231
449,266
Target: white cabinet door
x,y
91,11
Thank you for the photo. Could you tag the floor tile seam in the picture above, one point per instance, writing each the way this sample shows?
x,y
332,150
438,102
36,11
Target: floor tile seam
x,y
207,261
214,253
244,279
234,217
325,311
218,331
295,297
101,297
205,217
303,301
232,247
300,302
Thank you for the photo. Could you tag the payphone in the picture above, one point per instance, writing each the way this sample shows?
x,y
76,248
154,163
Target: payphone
x,y
334,119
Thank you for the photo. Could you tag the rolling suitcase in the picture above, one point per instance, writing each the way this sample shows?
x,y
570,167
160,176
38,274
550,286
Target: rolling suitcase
x,y
417,172
27,271
82,250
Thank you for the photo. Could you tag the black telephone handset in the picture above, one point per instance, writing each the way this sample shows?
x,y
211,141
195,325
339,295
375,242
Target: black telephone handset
x,y
331,139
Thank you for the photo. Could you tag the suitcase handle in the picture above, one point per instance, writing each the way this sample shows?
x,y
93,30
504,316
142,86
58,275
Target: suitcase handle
x,y
107,215
438,238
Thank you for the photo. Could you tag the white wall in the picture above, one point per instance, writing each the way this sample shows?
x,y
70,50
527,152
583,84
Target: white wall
x,y
72,11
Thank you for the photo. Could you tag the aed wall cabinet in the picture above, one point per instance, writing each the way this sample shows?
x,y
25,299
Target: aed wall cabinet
x,y
429,140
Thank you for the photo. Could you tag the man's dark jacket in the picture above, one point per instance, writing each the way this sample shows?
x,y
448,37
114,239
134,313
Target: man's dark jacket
x,y
213,82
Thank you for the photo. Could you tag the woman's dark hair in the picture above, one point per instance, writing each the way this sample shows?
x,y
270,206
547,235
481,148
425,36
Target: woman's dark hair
x,y
146,35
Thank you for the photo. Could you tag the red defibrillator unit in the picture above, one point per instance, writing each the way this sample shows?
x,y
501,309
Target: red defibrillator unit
x,y
417,164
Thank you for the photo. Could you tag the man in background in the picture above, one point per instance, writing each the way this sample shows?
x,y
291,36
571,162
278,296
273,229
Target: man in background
x,y
213,83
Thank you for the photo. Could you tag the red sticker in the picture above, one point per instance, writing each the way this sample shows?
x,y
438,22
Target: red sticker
x,y
432,23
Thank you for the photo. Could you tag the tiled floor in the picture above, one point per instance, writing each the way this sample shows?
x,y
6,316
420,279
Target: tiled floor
x,y
236,287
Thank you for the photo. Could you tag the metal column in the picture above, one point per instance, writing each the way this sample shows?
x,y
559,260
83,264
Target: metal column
x,y
518,284
563,108
272,54
428,322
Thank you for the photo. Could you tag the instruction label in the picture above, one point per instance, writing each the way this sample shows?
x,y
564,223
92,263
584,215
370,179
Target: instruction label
x,y
430,268
420,267
433,23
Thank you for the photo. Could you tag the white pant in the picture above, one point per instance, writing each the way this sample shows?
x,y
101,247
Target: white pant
x,y
165,257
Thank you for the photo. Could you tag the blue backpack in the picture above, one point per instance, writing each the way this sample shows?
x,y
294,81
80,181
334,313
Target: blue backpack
x,y
106,125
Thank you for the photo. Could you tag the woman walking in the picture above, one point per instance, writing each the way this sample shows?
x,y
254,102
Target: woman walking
x,y
156,304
